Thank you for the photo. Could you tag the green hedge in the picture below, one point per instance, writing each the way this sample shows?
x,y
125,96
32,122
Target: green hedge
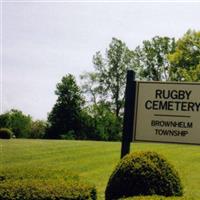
x,y
33,189
5,133
144,173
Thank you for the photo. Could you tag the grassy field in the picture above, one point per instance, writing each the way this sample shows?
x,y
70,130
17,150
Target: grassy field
x,y
93,161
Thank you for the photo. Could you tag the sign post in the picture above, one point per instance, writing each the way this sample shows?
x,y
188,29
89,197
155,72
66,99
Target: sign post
x,y
167,112
128,113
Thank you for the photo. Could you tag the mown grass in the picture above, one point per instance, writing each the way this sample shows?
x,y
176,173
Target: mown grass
x,y
92,162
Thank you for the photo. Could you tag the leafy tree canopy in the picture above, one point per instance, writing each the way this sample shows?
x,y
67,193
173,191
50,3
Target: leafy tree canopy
x,y
107,82
18,122
185,61
64,119
150,58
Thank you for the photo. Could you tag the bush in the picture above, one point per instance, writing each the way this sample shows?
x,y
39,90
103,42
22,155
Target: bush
x,y
5,133
70,135
41,190
145,173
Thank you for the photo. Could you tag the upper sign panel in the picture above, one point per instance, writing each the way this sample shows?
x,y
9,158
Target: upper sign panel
x,y
168,112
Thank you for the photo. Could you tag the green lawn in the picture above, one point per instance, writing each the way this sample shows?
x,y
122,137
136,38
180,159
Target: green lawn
x,y
93,161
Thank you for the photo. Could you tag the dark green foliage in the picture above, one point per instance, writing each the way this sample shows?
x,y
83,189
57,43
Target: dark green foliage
x,y
145,173
5,133
87,127
2,177
5,120
37,129
108,125
22,125
65,116
16,121
42,190
70,135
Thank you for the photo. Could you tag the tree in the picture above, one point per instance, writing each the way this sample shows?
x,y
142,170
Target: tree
x,y
107,82
18,122
37,129
151,58
91,87
105,87
5,120
185,61
65,118
108,125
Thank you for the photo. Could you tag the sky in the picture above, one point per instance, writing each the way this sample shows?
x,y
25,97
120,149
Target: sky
x,y
43,41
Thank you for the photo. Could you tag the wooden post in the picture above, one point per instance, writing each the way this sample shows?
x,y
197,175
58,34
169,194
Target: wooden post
x,y
128,113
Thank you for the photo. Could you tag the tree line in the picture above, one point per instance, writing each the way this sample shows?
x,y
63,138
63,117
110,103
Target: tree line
x,y
22,125
94,110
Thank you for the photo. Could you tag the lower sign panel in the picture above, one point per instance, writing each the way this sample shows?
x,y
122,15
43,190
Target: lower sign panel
x,y
167,112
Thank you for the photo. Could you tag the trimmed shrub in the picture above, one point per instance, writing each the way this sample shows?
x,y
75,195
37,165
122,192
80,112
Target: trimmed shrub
x,y
5,133
42,190
145,173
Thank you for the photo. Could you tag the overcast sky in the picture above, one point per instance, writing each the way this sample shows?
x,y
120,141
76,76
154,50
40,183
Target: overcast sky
x,y
41,42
